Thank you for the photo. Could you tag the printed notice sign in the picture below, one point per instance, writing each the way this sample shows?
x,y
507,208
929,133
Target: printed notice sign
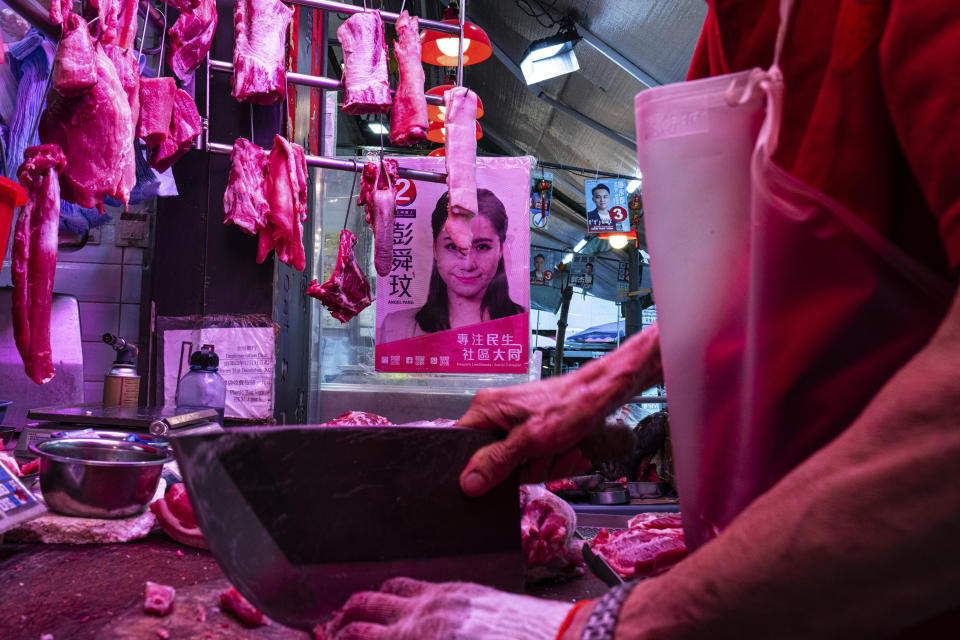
x,y
247,361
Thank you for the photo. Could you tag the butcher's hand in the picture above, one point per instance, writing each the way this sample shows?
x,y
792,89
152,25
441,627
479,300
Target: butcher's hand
x,y
406,609
552,423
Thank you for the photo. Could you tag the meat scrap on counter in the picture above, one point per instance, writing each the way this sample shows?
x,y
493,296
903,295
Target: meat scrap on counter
x,y
651,545
347,292
190,38
408,121
365,81
260,36
175,516
231,600
159,598
460,147
547,525
34,260
357,418
378,194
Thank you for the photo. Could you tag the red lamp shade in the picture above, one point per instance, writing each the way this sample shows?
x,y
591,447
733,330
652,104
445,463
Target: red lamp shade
x,y
437,113
438,153
442,48
437,133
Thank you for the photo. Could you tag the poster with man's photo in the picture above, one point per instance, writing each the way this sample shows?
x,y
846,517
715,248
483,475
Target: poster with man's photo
x,y
443,311
541,195
607,210
543,267
581,272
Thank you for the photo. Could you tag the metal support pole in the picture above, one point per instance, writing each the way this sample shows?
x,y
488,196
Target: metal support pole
x,y
463,14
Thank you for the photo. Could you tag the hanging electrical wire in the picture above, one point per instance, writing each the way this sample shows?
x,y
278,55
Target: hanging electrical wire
x,y
544,12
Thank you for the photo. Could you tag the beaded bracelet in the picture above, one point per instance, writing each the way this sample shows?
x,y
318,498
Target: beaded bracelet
x,y
604,616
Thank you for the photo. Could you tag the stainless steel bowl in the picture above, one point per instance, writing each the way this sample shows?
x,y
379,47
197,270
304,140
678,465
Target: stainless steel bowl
x,y
97,477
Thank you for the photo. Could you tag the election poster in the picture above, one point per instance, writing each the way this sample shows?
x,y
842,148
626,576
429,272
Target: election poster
x,y
440,310
581,272
541,195
607,210
543,267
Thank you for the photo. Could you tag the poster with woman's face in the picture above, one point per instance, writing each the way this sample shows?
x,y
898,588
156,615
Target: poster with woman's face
x,y
441,310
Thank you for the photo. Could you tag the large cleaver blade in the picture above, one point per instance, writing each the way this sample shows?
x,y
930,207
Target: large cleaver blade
x,y
299,518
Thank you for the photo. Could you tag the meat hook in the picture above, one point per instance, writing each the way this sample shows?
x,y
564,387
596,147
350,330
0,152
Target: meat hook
x,y
352,188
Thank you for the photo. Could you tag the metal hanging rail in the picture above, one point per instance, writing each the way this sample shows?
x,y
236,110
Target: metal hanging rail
x,y
308,80
331,84
327,162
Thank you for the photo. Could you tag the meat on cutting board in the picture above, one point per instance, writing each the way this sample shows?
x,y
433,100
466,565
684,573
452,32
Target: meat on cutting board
x,y
354,418
378,194
74,68
365,82
175,515
156,109
34,260
347,292
287,198
231,600
460,146
647,548
185,126
547,525
260,35
95,132
190,38
159,598
408,121
245,198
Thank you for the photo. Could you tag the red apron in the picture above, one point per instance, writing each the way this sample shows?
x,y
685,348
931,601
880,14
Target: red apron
x,y
781,313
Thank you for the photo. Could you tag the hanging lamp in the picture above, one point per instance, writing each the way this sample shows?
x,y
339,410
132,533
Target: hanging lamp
x,y
437,113
442,49
437,132
438,153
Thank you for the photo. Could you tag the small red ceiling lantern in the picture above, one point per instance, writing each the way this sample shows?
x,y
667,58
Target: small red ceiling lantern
x,y
437,113
437,132
442,49
438,153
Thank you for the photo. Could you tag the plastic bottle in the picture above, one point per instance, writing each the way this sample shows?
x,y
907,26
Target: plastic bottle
x,y
202,387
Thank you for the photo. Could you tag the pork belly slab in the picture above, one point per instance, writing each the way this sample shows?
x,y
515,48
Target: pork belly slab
x,y
408,121
287,199
260,35
460,147
365,82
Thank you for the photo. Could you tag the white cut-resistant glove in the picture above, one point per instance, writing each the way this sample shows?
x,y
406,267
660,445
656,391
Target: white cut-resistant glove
x,y
406,609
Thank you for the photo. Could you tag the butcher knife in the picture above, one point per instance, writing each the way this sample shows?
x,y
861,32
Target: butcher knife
x,y
299,518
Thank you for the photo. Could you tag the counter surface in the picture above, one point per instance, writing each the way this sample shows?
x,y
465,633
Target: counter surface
x,y
96,591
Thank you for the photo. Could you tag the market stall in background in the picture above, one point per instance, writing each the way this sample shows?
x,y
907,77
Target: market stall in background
x,y
225,217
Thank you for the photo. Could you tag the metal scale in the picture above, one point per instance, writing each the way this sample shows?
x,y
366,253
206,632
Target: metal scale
x,y
156,421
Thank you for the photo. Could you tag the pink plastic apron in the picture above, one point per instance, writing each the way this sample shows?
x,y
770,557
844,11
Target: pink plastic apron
x,y
781,313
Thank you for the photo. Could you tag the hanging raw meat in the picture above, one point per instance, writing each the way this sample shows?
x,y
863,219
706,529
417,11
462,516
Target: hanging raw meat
x,y
183,5
34,259
156,109
460,146
260,33
74,68
378,193
366,87
95,132
287,199
128,71
190,38
59,10
185,126
108,13
347,292
408,121
245,199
